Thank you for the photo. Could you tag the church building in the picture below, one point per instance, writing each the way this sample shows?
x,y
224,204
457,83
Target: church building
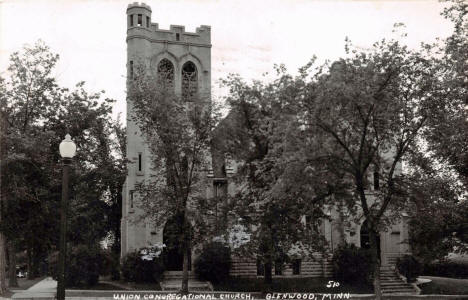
x,y
187,55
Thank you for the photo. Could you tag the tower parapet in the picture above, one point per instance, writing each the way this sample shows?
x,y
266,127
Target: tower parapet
x,y
139,26
138,15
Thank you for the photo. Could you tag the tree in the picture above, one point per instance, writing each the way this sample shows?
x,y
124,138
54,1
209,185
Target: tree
x,y
372,107
38,113
25,102
177,132
448,125
280,200
439,161
3,124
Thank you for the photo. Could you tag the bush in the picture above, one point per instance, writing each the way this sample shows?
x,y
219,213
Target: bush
x,y
115,270
409,267
352,264
136,269
214,263
446,269
110,265
83,266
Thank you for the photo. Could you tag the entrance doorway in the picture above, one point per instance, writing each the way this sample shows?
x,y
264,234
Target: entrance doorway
x,y
173,239
365,238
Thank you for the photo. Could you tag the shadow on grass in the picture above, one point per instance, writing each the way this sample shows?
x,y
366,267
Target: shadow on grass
x,y
444,286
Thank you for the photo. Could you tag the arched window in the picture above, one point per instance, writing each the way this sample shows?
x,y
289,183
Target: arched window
x,y
189,81
166,73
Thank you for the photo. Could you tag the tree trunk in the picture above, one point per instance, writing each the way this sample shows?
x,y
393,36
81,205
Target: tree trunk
x,y
12,281
186,250
185,274
375,262
3,287
3,152
29,255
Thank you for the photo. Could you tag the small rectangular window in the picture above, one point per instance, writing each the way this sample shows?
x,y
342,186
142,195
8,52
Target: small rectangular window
x,y
139,162
177,36
131,20
140,20
148,22
296,267
376,181
278,268
131,198
131,69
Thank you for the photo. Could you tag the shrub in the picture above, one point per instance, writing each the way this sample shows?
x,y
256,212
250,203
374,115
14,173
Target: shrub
x,y
138,267
110,265
83,266
409,267
446,269
352,264
115,270
214,263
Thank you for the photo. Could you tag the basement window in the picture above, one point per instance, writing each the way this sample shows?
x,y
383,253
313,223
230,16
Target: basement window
x,y
139,162
140,20
296,267
278,268
376,181
132,193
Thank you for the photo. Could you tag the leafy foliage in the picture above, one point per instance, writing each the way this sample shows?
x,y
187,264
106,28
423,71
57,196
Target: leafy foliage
x,y
352,264
409,267
84,264
38,113
136,269
278,188
214,262
178,135
450,269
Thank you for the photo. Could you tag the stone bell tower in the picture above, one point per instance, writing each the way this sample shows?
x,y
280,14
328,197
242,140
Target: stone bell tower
x,y
187,55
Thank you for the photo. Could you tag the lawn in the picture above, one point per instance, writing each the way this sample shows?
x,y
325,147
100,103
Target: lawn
x,y
310,285
122,286
444,286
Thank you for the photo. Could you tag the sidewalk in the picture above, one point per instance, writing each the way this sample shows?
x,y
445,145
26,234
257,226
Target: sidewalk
x,y
45,289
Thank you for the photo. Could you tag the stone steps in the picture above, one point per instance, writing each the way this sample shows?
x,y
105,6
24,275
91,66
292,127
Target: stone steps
x,y
194,285
176,275
391,283
173,281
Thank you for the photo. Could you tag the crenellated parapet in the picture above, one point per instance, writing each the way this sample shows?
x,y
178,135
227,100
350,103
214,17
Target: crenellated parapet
x,y
139,26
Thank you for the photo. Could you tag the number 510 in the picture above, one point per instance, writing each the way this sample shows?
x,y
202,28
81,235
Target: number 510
x,y
332,283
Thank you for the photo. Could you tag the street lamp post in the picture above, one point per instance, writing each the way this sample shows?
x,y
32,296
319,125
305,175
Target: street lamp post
x,y
67,151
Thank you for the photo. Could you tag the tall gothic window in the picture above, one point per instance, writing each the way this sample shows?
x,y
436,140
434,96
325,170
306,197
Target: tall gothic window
x,y
189,81
166,73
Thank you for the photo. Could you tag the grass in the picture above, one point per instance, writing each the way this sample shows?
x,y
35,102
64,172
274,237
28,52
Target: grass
x,y
122,286
445,286
311,285
100,287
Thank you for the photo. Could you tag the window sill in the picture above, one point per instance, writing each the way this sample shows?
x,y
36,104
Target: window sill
x,y
140,173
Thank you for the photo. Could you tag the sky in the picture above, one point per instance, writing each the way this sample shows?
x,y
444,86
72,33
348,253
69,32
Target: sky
x,y
248,36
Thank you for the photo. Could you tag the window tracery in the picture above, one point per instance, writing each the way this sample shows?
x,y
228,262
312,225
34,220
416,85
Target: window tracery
x,y
166,73
189,81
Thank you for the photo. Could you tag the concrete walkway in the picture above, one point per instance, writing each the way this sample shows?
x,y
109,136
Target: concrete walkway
x,y
45,288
